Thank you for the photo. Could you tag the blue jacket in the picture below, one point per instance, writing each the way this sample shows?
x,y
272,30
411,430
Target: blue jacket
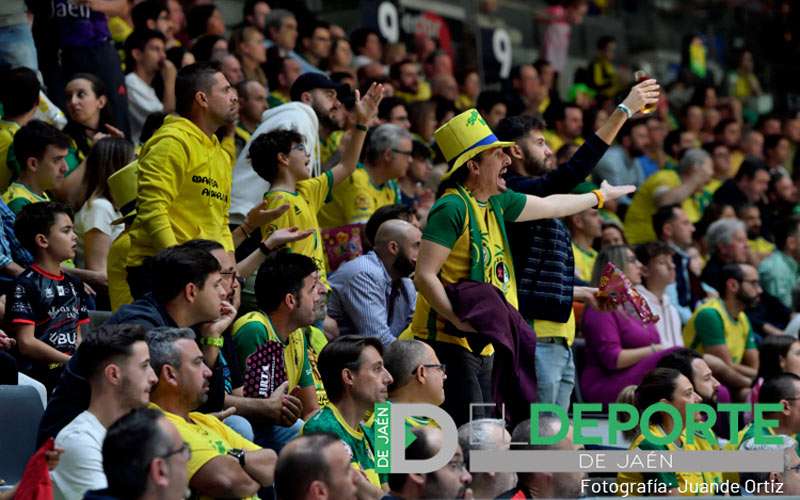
x,y
543,262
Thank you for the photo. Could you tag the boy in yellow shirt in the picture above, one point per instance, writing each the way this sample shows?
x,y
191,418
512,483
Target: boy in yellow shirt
x,y
281,158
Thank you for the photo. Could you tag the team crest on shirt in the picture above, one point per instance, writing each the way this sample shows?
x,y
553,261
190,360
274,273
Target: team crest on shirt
x,y
362,202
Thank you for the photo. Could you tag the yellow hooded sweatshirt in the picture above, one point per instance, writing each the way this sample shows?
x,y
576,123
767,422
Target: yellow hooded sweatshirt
x,y
184,190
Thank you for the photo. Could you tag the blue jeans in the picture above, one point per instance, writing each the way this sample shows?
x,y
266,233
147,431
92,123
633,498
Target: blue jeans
x,y
17,47
275,437
241,425
555,373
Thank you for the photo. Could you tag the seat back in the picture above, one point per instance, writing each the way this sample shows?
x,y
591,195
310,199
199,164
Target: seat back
x,y
20,412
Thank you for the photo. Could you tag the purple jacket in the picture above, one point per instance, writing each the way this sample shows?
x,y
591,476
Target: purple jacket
x,y
483,306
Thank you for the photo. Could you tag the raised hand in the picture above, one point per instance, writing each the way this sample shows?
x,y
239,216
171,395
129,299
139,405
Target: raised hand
x,y
261,215
642,95
286,235
367,107
613,192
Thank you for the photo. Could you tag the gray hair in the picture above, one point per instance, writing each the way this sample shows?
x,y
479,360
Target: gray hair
x,y
787,445
481,435
721,233
275,19
549,425
692,158
383,137
401,358
161,342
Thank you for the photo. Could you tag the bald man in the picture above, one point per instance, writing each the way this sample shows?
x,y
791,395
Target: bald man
x,y
372,295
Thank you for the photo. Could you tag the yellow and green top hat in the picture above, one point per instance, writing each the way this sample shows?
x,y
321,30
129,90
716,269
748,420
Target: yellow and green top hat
x,y
124,185
463,137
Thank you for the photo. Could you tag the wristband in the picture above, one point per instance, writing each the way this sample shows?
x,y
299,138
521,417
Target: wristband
x,y
601,200
212,341
625,109
362,128
263,248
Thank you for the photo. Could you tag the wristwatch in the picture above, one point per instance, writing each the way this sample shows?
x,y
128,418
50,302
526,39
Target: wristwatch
x,y
238,454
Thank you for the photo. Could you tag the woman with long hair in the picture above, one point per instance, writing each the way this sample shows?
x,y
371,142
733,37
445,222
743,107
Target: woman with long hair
x,y
89,119
620,348
94,221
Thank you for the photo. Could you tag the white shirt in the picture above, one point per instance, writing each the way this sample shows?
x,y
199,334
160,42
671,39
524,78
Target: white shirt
x,y
97,213
669,322
142,100
81,466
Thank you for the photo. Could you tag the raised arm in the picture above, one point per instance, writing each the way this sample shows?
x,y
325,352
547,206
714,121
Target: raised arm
x,y
641,95
561,205
366,110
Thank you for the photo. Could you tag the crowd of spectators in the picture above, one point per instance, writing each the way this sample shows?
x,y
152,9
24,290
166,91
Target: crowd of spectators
x,y
235,240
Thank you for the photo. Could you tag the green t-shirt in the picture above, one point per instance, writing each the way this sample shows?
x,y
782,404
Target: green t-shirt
x,y
329,420
711,329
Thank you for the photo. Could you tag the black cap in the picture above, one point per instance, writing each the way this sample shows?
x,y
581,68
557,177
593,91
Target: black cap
x,y
310,81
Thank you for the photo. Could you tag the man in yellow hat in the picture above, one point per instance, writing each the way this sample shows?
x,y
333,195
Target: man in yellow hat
x,y
465,238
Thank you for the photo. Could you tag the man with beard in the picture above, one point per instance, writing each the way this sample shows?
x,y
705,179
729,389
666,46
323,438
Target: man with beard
x,y
313,113
545,484
388,156
222,464
621,163
451,481
185,173
117,364
271,347
759,246
543,257
720,327
252,104
372,295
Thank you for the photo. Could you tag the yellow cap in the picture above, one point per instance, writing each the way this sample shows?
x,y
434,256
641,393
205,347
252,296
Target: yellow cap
x,y
463,137
124,184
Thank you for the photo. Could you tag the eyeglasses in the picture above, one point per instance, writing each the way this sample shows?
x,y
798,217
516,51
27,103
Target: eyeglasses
x,y
229,275
441,367
300,147
184,450
401,152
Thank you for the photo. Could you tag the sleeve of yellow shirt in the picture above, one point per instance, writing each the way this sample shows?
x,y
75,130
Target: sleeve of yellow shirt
x,y
274,200
161,173
317,190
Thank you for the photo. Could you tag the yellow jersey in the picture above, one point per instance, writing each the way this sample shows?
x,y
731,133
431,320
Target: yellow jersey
x,y
8,163
356,198
18,195
184,190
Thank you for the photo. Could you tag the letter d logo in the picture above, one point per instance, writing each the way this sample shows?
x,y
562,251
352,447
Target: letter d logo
x,y
399,441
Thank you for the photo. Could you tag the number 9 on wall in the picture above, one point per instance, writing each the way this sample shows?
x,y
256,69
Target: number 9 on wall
x,y
389,22
501,48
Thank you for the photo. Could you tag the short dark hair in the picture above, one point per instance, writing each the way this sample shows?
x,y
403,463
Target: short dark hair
x,y
191,79
381,215
152,123
681,360
138,40
782,230
273,67
32,140
728,272
387,105
103,344
205,245
265,148
662,217
342,352
658,384
394,69
203,48
771,141
130,445
178,266
19,91
149,10
750,167
197,19
779,387
279,275
35,219
514,128
250,7
722,125
646,252
305,454
488,99
770,353
604,41
359,36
